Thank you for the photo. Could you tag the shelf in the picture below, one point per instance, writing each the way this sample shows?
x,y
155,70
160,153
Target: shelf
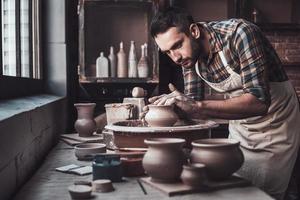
x,y
119,80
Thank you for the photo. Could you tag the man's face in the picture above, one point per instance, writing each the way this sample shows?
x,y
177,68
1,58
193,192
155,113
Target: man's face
x,y
181,48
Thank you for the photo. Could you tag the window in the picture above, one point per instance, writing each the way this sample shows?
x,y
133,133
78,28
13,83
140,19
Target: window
x,y
20,51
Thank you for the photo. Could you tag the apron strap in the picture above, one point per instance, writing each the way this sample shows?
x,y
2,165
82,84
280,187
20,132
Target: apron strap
x,y
225,63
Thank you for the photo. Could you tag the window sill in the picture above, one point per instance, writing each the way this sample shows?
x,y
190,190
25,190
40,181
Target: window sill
x,y
12,107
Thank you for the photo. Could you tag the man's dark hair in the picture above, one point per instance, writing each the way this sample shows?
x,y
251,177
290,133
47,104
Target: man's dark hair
x,y
172,17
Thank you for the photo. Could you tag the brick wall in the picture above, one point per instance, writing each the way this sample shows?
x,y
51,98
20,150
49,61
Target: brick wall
x,y
287,45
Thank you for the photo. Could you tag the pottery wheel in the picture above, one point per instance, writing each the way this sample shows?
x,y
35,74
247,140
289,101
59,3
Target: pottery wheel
x,y
138,127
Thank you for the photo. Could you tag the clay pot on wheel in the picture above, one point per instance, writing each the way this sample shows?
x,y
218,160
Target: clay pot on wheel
x,y
85,124
161,115
222,157
164,159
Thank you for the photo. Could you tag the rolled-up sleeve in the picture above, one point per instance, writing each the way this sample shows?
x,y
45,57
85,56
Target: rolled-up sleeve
x,y
248,45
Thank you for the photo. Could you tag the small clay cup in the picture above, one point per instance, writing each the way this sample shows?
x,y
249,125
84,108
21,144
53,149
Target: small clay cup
x,y
80,191
161,116
102,185
85,151
194,175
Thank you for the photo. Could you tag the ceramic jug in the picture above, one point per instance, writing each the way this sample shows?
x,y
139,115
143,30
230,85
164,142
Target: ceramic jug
x,y
132,61
221,156
113,62
122,67
161,115
85,124
164,159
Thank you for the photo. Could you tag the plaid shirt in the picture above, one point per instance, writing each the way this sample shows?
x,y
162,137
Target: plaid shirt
x,y
247,52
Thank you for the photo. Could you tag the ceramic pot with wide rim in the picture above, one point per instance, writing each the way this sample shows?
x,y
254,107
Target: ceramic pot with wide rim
x,y
222,157
85,124
164,159
161,116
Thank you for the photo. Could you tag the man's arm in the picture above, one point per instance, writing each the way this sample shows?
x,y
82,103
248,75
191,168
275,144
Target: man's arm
x,y
240,107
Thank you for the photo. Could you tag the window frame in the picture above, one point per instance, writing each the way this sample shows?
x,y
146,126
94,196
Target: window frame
x,y
16,86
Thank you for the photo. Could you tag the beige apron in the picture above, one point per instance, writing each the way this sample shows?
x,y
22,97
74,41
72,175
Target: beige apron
x,y
270,143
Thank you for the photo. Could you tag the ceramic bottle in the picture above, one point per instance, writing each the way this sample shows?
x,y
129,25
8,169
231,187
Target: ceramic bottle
x,y
102,67
122,68
113,62
132,61
143,68
85,124
164,159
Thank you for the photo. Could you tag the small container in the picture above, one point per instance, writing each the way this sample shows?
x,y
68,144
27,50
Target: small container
x,y
107,166
80,191
194,175
102,185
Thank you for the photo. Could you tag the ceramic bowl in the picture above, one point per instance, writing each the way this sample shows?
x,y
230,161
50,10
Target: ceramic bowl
x,y
85,151
222,157
80,191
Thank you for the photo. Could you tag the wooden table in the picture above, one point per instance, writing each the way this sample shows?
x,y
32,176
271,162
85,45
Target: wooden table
x,y
48,184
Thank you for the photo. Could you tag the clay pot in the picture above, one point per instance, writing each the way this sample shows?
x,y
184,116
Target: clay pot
x,y
86,151
80,191
222,157
161,115
164,159
85,124
194,175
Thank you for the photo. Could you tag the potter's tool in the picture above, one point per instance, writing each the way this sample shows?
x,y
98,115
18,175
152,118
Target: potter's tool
x,y
141,186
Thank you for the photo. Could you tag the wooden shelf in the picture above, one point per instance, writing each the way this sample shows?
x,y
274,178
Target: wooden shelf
x,y
119,80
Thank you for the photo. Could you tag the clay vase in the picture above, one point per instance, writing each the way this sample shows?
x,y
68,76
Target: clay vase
x,y
194,175
85,124
161,116
164,159
222,157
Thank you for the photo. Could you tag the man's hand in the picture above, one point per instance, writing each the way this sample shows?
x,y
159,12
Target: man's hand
x,y
185,106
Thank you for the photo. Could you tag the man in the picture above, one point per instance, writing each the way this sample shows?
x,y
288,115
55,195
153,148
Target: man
x,y
234,57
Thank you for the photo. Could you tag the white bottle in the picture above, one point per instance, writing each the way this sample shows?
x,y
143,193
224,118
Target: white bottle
x,y
143,68
113,62
102,68
132,61
122,63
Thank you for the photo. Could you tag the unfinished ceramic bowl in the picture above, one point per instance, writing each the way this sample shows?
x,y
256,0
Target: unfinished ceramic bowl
x,y
222,157
161,116
132,133
80,191
86,151
164,159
